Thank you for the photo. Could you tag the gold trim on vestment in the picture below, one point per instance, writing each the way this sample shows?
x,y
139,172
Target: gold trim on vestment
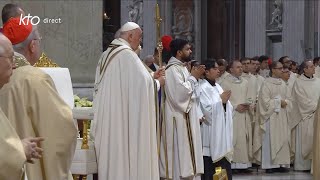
x,y
190,138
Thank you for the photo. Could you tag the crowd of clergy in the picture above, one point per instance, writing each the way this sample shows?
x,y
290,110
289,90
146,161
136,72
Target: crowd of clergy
x,y
163,117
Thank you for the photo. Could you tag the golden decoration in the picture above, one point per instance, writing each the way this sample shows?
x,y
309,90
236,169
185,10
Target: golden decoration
x,y
44,61
221,174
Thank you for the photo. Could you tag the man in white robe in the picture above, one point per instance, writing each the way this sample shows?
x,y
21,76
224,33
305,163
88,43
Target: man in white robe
x,y
264,68
306,92
242,131
254,71
124,112
13,152
216,130
223,64
272,134
181,149
316,62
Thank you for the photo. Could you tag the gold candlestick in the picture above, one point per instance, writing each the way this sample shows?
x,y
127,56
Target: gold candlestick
x,y
159,43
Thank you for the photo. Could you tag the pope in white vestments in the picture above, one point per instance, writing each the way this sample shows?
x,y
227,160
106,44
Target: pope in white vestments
x,y
124,112
181,153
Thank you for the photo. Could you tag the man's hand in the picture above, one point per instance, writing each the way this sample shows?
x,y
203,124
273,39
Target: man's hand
x,y
162,80
242,108
225,96
283,104
160,72
31,149
198,71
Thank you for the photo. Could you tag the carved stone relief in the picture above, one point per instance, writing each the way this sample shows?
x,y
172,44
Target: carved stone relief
x,y
183,20
276,19
136,12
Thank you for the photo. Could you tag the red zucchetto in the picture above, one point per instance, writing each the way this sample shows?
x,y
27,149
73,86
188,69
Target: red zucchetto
x,y
166,40
15,31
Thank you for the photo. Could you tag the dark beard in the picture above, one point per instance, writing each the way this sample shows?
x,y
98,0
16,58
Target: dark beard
x,y
186,59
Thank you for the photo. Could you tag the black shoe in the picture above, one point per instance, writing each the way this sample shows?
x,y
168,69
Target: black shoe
x,y
245,171
282,170
269,171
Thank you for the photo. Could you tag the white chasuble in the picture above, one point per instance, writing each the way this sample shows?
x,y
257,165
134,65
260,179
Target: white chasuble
x,y
124,116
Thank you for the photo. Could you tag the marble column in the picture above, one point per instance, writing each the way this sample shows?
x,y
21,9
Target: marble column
x,y
255,28
293,34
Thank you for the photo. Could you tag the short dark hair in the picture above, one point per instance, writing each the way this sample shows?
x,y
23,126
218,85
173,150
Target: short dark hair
x,y
263,58
210,63
177,45
316,60
282,58
244,59
222,62
232,62
8,11
302,66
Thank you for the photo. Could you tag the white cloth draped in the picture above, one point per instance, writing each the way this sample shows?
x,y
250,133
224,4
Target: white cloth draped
x,y
217,130
124,116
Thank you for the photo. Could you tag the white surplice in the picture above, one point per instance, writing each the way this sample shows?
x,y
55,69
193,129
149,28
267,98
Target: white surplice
x,y
124,116
181,153
217,130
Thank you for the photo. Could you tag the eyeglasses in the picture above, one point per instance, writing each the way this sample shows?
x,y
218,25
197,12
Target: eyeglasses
x,y
280,68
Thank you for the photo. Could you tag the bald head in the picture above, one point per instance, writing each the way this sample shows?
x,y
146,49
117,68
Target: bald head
x,y
5,46
6,60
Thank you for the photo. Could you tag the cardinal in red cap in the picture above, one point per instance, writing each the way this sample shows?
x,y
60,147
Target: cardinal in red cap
x,y
17,30
166,40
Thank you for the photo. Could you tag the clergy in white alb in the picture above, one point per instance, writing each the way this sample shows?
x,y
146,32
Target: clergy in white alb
x,y
223,64
13,152
272,134
34,108
306,92
181,153
264,67
216,130
124,112
242,131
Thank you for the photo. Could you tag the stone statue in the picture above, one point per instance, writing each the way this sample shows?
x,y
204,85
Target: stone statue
x,y
276,20
135,12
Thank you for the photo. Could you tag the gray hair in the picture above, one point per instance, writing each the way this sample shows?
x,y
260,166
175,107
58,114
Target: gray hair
x,y
2,51
148,58
23,45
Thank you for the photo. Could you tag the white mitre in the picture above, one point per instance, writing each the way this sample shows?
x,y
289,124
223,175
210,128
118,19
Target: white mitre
x,y
129,26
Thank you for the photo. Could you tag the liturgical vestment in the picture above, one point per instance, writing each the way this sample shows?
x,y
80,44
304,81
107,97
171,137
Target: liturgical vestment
x,y
33,106
271,134
124,116
181,153
306,92
316,144
217,130
12,156
242,128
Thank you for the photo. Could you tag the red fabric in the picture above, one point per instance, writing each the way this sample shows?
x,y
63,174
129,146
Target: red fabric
x,y
166,40
269,61
15,31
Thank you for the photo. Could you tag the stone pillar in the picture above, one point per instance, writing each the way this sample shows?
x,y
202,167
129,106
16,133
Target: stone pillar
x,y
255,28
293,35
76,42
